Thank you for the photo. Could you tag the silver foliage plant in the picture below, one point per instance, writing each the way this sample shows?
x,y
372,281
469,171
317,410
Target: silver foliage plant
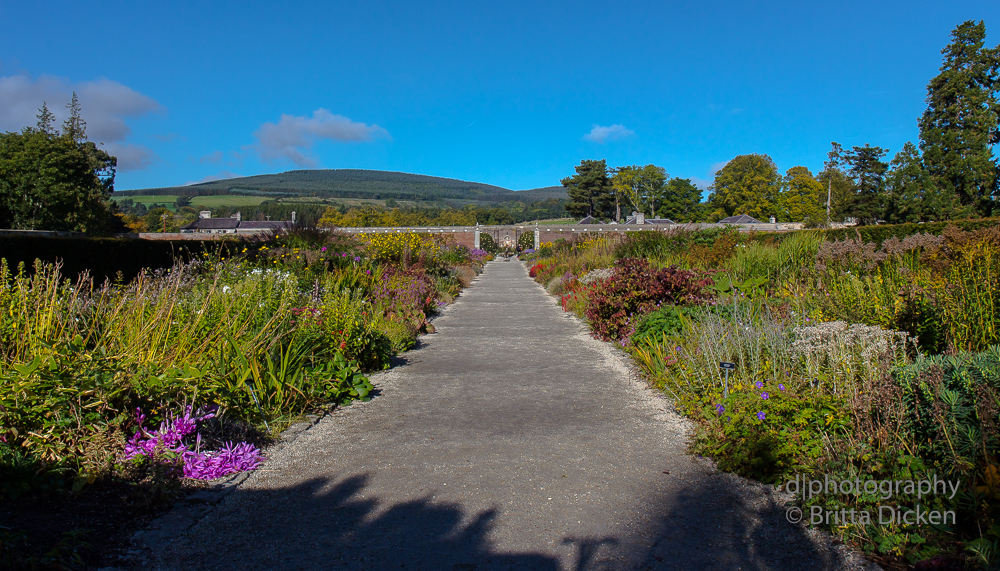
x,y
832,356
845,351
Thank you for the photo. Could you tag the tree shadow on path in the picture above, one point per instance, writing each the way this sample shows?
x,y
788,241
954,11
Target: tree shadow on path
x,y
719,524
319,524
323,524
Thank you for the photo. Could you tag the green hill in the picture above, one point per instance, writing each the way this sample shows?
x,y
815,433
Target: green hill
x,y
357,184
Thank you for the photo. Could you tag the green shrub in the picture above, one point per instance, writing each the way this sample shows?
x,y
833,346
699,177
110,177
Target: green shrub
x,y
766,430
952,404
667,321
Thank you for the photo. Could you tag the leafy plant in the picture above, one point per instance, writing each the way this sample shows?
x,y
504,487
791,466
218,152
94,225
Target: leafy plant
x,y
615,305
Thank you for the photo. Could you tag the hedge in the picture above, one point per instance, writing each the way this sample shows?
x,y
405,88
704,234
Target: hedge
x,y
883,232
105,258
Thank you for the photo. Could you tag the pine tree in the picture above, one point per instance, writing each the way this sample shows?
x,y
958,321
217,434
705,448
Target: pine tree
x,y
590,190
960,125
45,119
74,126
911,196
867,173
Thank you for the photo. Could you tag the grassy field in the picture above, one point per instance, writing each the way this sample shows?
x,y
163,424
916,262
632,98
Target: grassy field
x,y
217,201
196,201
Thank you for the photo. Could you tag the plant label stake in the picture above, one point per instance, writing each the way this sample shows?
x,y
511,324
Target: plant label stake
x,y
727,367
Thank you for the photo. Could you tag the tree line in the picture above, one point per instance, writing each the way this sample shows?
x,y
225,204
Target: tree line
x,y
950,174
391,215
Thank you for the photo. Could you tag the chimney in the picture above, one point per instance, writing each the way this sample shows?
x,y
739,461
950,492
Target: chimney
x,y
205,214
239,216
772,220
640,218
293,217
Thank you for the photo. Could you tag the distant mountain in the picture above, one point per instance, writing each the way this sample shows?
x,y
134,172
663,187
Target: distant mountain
x,y
356,183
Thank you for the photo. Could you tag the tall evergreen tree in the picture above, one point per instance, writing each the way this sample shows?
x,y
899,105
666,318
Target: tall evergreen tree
x,y
911,195
45,119
867,173
590,190
748,184
74,126
960,125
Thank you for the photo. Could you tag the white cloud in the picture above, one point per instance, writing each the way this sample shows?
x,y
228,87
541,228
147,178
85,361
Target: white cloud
x,y
131,157
293,137
218,176
105,104
601,134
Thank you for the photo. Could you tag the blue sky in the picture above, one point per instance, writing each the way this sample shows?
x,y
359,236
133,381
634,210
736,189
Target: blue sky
x,y
507,93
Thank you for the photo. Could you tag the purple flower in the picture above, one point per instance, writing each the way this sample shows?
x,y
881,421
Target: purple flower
x,y
720,409
761,415
781,387
357,258
759,384
323,249
764,396
196,464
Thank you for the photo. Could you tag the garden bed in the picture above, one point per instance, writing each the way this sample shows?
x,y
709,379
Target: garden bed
x,y
849,360
141,389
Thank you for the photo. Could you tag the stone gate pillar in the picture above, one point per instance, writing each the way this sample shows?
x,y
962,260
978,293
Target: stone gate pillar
x,y
538,235
475,242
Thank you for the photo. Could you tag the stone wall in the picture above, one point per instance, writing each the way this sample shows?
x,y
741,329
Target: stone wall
x,y
466,235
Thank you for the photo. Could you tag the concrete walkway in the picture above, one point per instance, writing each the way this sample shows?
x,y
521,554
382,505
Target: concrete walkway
x,y
508,440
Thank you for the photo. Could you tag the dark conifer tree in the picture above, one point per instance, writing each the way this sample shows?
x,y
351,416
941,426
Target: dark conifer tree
x,y
960,125
867,173
590,190
74,126
45,119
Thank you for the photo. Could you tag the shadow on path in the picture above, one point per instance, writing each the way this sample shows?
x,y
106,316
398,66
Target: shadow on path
x,y
325,525
715,525
322,524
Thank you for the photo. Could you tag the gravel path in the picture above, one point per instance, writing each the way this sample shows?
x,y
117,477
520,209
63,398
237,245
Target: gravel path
x,y
508,440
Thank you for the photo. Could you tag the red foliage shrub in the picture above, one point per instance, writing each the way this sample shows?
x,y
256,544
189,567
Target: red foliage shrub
x,y
635,289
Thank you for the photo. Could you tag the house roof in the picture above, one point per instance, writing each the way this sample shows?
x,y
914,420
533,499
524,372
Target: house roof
x,y
238,225
263,225
740,219
589,220
634,220
213,224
